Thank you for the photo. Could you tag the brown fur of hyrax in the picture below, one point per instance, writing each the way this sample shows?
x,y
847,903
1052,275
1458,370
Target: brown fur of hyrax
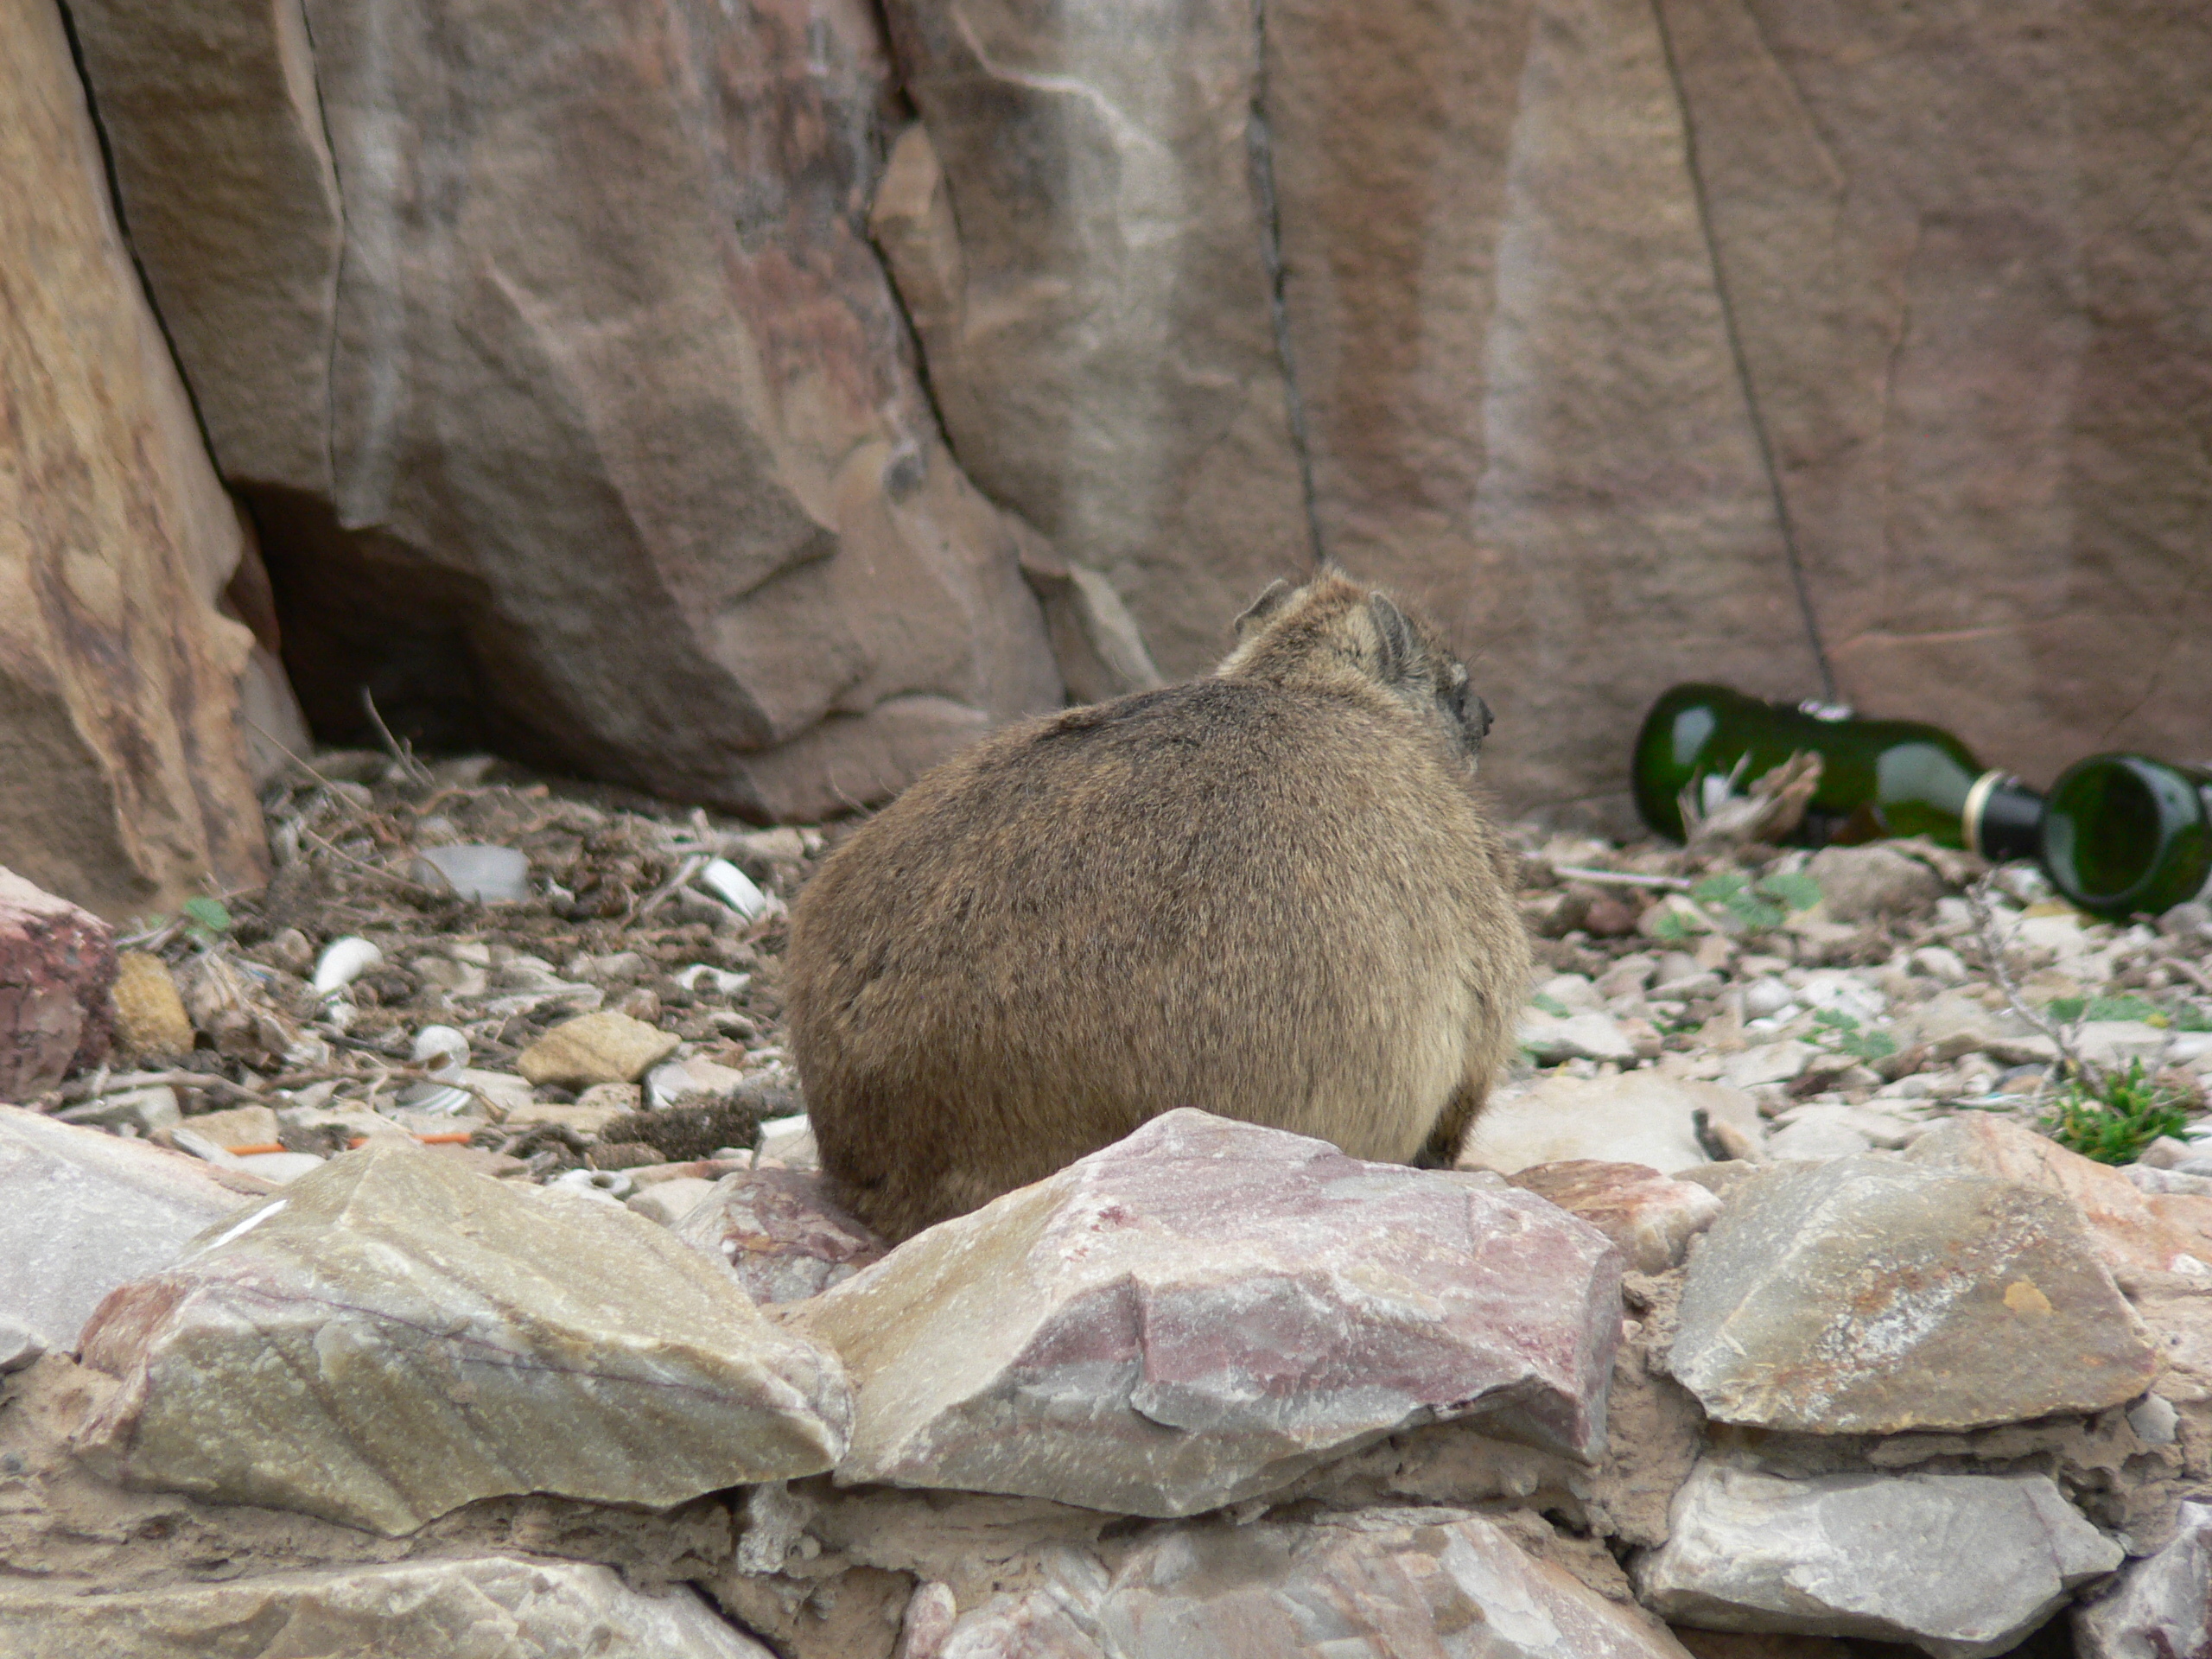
x,y
1271,894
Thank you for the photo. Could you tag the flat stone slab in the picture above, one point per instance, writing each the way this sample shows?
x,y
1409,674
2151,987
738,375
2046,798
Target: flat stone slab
x,y
1869,1295
471,1608
1961,1566
1374,1584
1638,1117
396,1336
1206,1310
81,1213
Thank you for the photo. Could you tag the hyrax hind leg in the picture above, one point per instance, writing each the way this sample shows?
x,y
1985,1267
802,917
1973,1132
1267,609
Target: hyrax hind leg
x,y
1441,1150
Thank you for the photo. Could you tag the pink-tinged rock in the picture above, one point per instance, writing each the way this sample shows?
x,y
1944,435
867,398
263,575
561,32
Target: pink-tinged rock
x,y
81,1213
395,1337
1869,1295
56,965
1375,1584
1649,1216
2160,1608
778,1232
2130,1231
1206,1309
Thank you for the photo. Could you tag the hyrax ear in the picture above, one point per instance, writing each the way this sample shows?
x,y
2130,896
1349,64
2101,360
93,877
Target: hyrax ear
x,y
1265,605
1393,638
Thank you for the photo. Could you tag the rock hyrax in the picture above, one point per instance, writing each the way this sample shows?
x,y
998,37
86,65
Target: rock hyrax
x,y
1271,894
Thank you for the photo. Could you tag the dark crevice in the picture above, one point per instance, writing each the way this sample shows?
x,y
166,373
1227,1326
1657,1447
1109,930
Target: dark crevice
x,y
1259,138
338,266
1742,362
123,226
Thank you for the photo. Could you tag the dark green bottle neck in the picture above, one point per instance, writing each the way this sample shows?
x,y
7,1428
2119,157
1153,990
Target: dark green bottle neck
x,y
2003,818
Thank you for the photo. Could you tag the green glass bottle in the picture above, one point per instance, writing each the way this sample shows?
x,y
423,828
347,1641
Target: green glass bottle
x,y
1879,777
2123,834
2119,835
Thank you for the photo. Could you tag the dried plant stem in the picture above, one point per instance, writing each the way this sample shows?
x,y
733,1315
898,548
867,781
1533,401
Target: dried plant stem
x,y
1992,950
1621,877
367,869
2191,972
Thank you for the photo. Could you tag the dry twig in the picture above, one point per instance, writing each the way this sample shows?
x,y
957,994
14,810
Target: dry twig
x,y
1621,877
1992,950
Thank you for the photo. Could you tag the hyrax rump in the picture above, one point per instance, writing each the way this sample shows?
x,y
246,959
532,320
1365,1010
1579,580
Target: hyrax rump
x,y
1270,893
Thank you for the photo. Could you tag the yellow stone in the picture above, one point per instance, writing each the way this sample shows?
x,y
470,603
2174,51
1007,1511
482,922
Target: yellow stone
x,y
149,1018
603,1047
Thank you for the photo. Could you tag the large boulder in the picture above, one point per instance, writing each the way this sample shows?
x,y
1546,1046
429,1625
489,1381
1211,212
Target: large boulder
x,y
572,404
124,779
396,1336
1206,1309
1075,230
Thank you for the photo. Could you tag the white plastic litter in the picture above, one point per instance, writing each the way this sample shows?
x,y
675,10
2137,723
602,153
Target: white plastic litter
x,y
342,961
734,888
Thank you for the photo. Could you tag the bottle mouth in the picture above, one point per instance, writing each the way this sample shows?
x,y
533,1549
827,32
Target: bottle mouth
x,y
2118,830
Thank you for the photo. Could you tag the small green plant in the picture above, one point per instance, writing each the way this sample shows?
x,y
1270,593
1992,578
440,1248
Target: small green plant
x,y
1840,1033
206,920
1549,1004
2113,1125
2070,1008
1759,907
2192,1018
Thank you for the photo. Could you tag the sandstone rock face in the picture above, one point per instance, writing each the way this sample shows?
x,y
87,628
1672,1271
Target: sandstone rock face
x,y
1377,1585
1985,1303
1961,1565
124,776
1972,329
1206,1310
569,398
1076,235
1518,367
1561,370
442,1338
778,1232
455,1609
57,963
81,1213
1650,1218
2162,1606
